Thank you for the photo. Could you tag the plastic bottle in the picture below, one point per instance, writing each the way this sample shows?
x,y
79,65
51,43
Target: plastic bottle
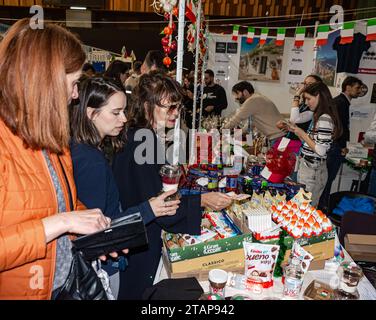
x,y
247,187
237,281
293,280
232,181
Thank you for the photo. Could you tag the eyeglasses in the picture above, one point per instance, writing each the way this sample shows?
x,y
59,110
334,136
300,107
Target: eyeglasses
x,y
172,107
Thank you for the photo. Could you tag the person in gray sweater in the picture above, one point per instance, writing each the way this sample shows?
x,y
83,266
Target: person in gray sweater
x,y
262,111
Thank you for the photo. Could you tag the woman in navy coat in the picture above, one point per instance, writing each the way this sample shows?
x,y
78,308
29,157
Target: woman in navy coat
x,y
102,113
158,101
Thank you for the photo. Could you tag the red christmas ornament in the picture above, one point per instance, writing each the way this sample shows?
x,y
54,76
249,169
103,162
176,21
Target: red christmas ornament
x,y
167,50
173,46
167,16
173,26
167,31
175,11
165,41
167,61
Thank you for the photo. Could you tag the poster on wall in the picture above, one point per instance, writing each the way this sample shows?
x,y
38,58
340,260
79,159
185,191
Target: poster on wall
x,y
260,63
368,61
222,63
326,60
296,65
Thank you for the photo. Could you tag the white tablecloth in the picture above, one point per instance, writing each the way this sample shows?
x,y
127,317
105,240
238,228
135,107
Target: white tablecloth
x,y
365,288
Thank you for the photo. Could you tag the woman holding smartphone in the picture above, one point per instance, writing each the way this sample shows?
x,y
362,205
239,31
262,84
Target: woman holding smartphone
x,y
324,128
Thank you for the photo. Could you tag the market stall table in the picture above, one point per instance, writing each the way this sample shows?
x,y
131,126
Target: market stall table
x,y
365,288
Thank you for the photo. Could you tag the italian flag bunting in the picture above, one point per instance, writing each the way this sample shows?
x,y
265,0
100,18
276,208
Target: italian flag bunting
x,y
263,36
281,34
371,30
250,35
235,32
300,36
322,35
347,33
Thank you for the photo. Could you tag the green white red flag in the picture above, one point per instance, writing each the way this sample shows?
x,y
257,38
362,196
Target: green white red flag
x,y
300,37
235,32
371,30
263,36
250,35
347,33
322,35
281,35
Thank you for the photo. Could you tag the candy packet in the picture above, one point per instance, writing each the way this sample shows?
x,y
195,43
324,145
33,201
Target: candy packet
x,y
267,201
206,235
260,261
302,255
256,201
171,241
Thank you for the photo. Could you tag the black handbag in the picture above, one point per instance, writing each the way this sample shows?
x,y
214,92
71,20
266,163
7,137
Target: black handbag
x,y
82,282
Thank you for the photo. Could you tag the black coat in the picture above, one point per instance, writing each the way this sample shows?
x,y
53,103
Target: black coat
x,y
137,183
343,108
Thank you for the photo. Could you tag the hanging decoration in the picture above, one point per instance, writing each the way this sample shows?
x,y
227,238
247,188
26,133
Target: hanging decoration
x,y
371,30
264,36
168,9
250,35
300,37
235,32
191,15
189,12
322,35
281,35
347,33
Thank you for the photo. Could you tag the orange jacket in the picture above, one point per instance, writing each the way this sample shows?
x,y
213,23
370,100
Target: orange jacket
x,y
27,195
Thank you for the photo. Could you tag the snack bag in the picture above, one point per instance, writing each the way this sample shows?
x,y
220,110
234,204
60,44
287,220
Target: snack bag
x,y
256,201
302,255
268,200
171,241
260,261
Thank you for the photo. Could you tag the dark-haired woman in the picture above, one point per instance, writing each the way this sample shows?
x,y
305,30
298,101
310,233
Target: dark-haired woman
x,y
102,113
136,170
324,128
118,70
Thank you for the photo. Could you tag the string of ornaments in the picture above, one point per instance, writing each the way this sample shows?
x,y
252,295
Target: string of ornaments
x,y
170,11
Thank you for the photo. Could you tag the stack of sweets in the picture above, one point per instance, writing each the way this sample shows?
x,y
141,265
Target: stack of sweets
x,y
300,219
258,219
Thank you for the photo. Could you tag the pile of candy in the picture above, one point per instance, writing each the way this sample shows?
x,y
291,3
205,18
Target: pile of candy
x,y
214,226
300,219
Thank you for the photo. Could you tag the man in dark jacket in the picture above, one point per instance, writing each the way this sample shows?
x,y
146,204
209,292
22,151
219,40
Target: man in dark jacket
x,y
351,89
215,99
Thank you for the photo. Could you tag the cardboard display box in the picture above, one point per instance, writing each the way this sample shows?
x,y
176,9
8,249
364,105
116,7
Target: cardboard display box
x,y
228,254
321,248
197,260
361,247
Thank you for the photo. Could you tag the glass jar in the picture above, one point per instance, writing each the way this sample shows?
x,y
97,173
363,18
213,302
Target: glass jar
x,y
349,276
